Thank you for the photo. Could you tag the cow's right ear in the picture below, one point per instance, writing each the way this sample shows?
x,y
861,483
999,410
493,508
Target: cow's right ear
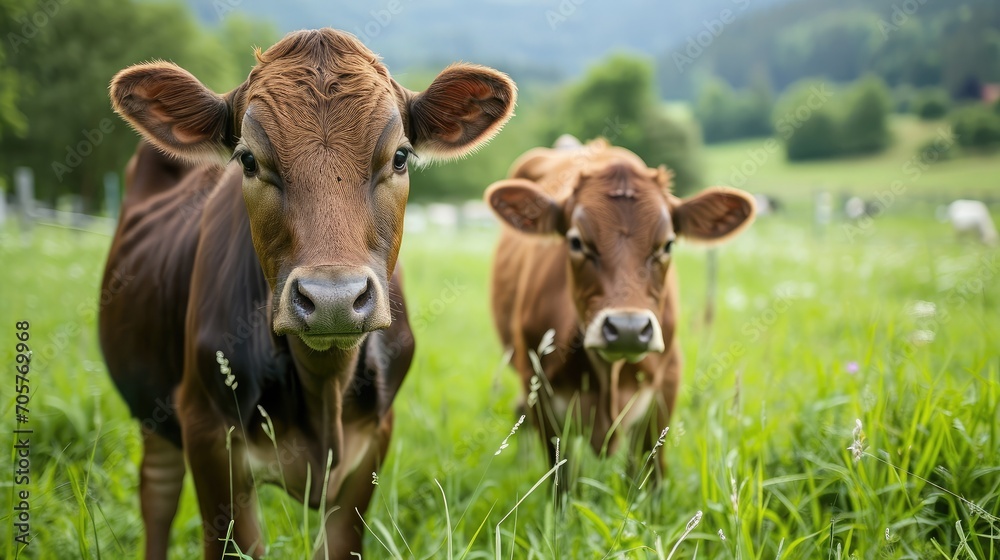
x,y
521,204
174,111
461,110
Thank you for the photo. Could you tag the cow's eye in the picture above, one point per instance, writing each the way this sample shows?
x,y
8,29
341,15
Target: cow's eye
x,y
575,244
249,164
399,160
667,246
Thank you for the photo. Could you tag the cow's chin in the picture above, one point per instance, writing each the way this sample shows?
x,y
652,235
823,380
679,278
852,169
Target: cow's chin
x,y
324,342
612,357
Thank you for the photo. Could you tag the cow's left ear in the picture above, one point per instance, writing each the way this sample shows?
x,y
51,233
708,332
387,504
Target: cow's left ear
x,y
174,111
521,204
714,215
462,109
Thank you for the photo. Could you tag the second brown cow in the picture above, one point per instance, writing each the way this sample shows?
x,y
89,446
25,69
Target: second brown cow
x,y
589,254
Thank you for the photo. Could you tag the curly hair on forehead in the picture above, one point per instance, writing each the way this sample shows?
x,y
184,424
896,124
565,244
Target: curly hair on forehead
x,y
324,88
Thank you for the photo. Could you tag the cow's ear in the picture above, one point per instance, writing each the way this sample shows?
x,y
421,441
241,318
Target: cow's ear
x,y
716,214
462,109
174,111
524,207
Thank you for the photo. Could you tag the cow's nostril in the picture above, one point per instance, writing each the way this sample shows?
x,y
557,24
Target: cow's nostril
x,y
364,299
301,301
646,334
609,331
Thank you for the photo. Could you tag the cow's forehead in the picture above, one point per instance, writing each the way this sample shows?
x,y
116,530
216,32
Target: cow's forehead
x,y
324,93
621,197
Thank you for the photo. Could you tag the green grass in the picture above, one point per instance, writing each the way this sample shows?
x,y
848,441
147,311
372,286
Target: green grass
x,y
770,172
759,441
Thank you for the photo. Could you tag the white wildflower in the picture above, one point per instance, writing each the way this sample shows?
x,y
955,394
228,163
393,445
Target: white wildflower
x,y
922,337
922,309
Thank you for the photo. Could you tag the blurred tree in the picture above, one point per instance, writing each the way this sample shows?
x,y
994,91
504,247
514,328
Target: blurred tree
x,y
976,127
918,43
807,123
726,115
816,138
865,128
12,120
760,105
931,104
854,121
611,101
616,100
66,60
714,111
669,141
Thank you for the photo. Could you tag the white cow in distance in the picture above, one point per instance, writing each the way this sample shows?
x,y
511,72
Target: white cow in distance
x,y
972,216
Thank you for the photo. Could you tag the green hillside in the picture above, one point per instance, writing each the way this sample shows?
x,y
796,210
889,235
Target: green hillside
x,y
968,176
917,42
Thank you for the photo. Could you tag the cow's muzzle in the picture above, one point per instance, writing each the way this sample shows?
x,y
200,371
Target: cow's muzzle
x,y
624,334
331,306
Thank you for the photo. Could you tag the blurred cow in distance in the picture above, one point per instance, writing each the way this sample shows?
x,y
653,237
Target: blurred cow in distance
x,y
856,208
766,204
972,217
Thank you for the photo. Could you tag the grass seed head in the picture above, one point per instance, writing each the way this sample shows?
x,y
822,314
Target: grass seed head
x,y
858,446
694,522
513,430
547,345
231,382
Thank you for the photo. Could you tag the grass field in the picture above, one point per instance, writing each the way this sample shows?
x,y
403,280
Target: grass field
x,y
895,324
750,165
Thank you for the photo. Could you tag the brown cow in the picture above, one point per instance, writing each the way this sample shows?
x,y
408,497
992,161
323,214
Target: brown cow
x,y
589,255
269,232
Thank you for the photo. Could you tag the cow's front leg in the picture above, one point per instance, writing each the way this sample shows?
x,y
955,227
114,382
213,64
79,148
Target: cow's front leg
x,y
224,486
353,492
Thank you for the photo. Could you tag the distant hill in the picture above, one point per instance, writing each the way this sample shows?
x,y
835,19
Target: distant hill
x,y
954,44
551,39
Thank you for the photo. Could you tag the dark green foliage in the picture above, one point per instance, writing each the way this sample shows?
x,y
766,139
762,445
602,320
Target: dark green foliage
x,y
610,101
865,128
918,42
726,115
55,116
668,141
976,126
841,123
616,100
933,150
815,139
931,104
70,137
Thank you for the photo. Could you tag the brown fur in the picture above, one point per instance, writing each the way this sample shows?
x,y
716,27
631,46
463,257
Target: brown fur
x,y
219,260
624,213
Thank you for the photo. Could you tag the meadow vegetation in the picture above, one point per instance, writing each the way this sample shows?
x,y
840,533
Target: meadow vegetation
x,y
815,331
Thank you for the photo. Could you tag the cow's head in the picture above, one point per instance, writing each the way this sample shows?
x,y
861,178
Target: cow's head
x,y
618,222
324,137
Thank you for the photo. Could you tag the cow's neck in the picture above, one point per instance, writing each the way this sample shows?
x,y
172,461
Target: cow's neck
x,y
321,377
324,376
